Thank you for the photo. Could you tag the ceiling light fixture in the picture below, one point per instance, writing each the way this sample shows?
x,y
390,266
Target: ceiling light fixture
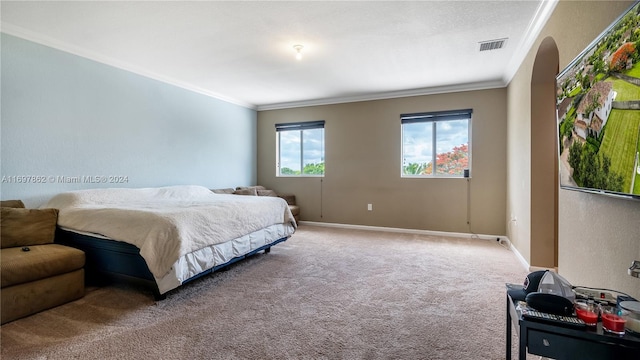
x,y
298,49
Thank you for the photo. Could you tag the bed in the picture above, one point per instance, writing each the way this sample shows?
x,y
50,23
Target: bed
x,y
165,237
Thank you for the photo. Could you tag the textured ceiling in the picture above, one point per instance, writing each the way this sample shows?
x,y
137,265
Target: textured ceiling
x,y
242,51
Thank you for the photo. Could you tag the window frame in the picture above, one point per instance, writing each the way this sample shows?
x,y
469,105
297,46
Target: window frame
x,y
301,127
434,117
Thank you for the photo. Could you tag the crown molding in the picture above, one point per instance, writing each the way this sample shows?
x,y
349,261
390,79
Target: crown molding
x,y
483,85
78,51
531,34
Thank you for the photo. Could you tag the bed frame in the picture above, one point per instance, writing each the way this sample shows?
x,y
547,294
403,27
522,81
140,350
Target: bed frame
x,y
109,260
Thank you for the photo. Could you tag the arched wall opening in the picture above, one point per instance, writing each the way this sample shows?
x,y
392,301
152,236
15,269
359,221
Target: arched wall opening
x,y
544,157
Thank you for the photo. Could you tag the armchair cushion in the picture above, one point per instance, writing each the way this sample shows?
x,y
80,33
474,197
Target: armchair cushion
x,y
289,198
267,193
22,227
246,191
12,203
41,261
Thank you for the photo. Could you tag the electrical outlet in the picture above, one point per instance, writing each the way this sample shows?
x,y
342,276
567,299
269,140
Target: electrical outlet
x,y
370,207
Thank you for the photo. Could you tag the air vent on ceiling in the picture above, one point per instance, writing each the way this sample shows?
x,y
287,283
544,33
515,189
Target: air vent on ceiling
x,y
492,44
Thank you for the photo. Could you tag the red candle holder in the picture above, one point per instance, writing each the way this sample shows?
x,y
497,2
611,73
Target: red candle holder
x,y
613,323
589,317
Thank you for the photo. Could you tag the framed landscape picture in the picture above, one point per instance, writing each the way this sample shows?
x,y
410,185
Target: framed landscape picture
x,y
598,113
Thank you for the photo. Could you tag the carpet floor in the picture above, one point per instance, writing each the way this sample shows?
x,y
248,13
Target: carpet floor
x,y
326,293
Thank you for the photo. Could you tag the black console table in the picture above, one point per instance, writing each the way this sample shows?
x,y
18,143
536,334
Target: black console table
x,y
559,342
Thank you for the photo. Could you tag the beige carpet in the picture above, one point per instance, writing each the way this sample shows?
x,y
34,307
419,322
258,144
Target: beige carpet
x,y
323,294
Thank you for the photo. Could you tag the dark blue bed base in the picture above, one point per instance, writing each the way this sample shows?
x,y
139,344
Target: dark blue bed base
x,y
108,260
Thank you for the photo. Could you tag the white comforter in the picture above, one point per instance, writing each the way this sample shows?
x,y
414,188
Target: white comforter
x,y
169,222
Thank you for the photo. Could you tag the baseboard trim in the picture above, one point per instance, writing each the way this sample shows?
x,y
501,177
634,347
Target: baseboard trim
x,y
521,259
407,231
526,265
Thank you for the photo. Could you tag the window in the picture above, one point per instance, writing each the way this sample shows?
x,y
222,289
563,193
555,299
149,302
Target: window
x,y
440,138
300,149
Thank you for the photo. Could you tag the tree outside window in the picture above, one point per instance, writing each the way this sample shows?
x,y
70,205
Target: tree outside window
x,y
300,149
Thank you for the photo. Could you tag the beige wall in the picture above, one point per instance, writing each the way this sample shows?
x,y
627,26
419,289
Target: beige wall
x,y
598,236
363,160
